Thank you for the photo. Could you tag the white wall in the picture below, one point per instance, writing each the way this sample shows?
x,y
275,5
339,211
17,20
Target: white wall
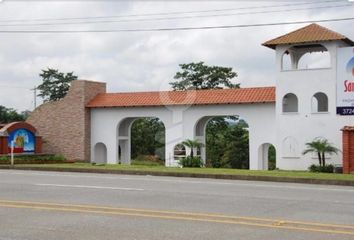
x,y
180,122
305,125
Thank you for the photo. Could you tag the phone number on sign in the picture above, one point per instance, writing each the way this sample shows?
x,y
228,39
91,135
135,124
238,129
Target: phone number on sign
x,y
345,110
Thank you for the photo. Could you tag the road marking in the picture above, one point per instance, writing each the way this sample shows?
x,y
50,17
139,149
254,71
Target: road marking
x,y
185,216
206,181
88,186
34,173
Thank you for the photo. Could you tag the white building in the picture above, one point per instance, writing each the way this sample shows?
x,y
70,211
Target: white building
x,y
301,107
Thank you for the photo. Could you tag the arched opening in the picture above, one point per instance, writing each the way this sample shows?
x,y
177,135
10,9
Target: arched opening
x,y
319,102
100,153
310,56
179,152
226,141
141,141
290,103
267,156
313,60
286,61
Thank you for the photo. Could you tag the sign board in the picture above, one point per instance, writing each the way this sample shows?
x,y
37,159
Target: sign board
x,y
23,140
345,81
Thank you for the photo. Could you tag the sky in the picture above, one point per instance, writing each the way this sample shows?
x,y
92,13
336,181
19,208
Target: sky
x,y
146,61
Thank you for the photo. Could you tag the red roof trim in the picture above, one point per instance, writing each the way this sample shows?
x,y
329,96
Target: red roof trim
x,y
190,97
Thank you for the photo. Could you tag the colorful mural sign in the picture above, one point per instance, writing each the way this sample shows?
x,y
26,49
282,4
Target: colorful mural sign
x,y
345,81
24,141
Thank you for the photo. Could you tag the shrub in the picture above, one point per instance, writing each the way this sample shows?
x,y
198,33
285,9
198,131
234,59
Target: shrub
x,y
324,169
191,162
33,159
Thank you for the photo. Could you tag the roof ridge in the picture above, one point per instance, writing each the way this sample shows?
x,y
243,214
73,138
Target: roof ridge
x,y
307,34
168,91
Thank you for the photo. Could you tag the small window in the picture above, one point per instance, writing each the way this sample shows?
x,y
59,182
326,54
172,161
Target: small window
x,y
179,151
319,102
290,103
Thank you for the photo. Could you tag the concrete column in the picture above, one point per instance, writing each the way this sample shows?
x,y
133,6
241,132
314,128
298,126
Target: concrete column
x,y
174,136
253,154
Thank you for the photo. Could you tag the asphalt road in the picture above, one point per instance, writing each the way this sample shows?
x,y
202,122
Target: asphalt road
x,y
49,205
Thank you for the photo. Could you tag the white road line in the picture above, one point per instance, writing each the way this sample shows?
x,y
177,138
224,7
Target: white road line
x,y
88,186
54,175
248,184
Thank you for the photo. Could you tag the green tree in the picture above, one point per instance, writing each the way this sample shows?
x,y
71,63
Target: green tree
x,y
55,84
271,158
200,76
8,115
236,152
216,130
193,145
148,138
321,146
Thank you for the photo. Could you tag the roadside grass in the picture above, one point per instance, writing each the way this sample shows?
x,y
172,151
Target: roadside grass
x,y
221,171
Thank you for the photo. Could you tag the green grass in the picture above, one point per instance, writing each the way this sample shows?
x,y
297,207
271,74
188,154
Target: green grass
x,y
274,173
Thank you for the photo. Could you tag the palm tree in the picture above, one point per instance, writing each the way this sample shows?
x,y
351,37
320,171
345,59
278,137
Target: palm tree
x,y
192,144
321,146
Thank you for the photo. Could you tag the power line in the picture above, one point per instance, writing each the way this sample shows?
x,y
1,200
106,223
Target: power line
x,y
176,18
170,13
8,86
179,29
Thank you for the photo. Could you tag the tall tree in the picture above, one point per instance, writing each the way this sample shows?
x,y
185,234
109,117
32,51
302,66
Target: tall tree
x,y
8,115
148,138
55,84
320,146
237,148
201,76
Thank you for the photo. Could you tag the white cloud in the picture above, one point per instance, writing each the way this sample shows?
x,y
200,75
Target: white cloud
x,y
146,60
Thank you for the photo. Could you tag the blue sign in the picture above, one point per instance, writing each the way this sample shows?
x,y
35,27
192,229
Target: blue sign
x,y
24,141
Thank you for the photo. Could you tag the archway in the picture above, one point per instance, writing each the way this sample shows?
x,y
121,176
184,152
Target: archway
x,y
313,60
100,153
226,141
302,57
267,156
141,139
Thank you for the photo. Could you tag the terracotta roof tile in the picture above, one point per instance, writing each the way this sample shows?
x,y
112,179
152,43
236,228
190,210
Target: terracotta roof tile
x,y
310,33
348,128
190,97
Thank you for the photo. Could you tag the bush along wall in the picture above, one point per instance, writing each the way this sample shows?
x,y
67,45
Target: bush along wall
x,y
32,159
324,169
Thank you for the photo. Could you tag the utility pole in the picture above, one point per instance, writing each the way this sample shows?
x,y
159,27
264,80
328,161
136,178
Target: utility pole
x,y
34,96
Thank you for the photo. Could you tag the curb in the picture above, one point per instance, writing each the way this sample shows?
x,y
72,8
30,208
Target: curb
x,y
190,175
